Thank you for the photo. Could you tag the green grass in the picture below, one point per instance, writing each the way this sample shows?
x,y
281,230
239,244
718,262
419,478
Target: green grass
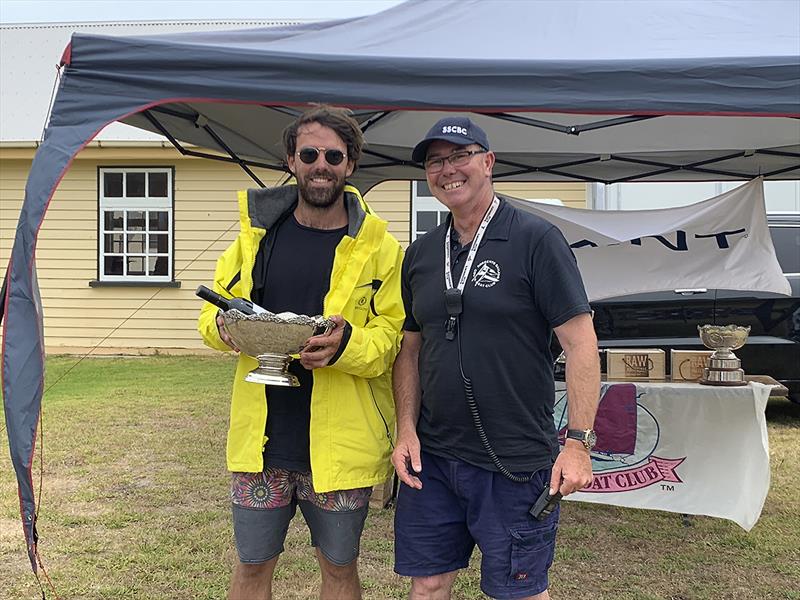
x,y
134,506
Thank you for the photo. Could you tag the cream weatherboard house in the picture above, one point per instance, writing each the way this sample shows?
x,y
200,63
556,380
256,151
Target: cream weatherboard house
x,y
134,226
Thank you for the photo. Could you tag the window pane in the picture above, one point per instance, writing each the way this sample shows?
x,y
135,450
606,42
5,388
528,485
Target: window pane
x,y
136,243
135,220
159,220
426,220
112,265
136,265
786,241
443,215
112,185
158,265
113,243
423,189
113,220
134,185
157,185
159,244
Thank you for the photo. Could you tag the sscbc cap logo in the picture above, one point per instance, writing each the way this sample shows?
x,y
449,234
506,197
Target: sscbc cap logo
x,y
455,129
486,274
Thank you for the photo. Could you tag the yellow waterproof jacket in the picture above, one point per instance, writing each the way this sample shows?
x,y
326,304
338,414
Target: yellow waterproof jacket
x,y
352,408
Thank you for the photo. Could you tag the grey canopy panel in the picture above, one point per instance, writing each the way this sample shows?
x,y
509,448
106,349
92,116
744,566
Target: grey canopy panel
x,y
593,91
529,146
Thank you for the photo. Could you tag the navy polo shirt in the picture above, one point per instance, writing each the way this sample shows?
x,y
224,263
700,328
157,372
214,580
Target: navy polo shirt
x,y
524,282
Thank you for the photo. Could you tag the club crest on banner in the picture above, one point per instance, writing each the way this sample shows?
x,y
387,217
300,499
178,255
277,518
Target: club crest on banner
x,y
627,435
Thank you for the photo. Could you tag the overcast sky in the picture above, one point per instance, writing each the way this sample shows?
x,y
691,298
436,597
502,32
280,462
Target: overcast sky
x,y
64,11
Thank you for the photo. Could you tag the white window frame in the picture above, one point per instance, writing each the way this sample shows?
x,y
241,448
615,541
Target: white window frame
x,y
129,204
423,203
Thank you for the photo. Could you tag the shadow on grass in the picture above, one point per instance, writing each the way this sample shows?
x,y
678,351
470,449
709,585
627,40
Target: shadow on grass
x,y
784,412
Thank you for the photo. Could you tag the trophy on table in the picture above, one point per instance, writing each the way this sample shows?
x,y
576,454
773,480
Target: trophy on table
x,y
268,337
724,368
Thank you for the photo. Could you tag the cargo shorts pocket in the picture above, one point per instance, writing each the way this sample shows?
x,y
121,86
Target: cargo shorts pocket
x,y
532,551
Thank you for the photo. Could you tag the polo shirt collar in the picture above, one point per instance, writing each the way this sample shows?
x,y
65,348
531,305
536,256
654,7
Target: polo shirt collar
x,y
499,227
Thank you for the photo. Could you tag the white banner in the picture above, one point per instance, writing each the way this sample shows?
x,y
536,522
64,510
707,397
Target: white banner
x,y
722,242
679,447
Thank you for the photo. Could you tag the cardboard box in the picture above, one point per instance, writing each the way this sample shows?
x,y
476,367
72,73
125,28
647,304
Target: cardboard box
x,y
688,365
383,493
635,364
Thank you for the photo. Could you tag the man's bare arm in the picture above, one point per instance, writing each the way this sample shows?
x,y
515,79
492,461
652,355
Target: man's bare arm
x,y
573,468
407,398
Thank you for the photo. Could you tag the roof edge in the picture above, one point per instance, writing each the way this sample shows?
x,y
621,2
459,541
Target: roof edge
x,y
72,24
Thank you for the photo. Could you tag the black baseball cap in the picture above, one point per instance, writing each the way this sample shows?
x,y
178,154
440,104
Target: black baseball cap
x,y
456,130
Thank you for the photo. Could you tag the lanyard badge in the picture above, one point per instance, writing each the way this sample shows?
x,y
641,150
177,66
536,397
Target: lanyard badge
x,y
453,294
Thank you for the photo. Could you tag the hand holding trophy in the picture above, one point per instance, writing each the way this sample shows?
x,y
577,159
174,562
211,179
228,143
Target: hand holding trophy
x,y
268,337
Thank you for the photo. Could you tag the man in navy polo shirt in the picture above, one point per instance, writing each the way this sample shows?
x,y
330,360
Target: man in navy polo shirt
x,y
473,382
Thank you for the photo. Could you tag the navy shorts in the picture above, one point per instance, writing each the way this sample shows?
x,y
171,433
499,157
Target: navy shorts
x,y
459,505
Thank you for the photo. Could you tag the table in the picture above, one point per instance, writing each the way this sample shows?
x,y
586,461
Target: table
x,y
679,447
776,388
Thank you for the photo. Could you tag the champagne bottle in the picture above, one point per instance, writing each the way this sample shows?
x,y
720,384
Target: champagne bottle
x,y
240,304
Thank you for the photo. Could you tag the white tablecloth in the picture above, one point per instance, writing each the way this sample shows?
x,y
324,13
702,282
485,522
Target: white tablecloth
x,y
679,447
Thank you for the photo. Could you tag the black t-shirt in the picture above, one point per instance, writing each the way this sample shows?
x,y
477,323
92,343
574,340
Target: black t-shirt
x,y
524,282
297,277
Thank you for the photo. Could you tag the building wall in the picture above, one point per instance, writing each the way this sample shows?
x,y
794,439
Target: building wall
x,y
116,319
572,194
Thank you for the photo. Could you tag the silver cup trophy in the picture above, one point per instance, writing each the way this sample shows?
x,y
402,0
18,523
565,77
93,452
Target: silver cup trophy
x,y
271,339
723,366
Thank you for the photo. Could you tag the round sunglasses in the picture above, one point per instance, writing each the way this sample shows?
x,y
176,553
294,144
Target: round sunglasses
x,y
309,155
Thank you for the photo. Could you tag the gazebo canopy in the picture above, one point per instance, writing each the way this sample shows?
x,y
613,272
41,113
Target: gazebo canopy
x,y
595,91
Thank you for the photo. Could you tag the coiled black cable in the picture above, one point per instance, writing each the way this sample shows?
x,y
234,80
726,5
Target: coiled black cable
x,y
476,419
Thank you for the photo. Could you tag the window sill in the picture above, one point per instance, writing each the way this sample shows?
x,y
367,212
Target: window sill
x,y
152,284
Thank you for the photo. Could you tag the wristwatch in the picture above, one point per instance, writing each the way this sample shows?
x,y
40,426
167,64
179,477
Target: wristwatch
x,y
586,436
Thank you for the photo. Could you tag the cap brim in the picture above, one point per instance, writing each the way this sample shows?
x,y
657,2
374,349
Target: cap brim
x,y
421,150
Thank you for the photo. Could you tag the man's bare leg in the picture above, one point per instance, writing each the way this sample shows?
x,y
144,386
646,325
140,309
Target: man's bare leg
x,y
433,587
252,581
338,582
438,587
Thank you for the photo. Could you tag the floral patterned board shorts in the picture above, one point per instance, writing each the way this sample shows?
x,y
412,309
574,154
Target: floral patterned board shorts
x,y
264,504
274,488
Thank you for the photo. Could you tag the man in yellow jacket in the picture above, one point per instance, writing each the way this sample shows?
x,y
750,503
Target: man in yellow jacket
x,y
312,248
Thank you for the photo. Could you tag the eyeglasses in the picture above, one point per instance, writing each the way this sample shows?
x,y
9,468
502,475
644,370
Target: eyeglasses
x,y
457,159
309,155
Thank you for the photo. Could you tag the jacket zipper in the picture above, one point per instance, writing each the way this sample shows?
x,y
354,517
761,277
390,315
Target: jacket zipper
x,y
377,408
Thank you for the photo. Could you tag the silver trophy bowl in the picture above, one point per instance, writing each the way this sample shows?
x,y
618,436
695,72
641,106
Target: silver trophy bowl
x,y
724,368
272,339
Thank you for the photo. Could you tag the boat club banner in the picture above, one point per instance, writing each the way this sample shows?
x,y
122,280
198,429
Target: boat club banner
x,y
679,447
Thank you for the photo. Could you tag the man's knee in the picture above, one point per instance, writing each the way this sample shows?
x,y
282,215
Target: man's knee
x,y
252,581
337,572
256,571
432,586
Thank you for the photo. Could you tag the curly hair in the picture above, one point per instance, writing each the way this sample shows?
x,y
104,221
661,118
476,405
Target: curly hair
x,y
333,117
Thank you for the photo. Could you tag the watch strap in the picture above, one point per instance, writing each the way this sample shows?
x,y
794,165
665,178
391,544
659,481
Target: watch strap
x,y
585,436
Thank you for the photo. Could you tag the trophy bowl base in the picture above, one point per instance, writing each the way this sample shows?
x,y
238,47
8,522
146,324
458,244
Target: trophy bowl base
x,y
272,378
730,377
273,369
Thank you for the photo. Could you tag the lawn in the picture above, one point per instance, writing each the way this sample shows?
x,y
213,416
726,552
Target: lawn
x,y
134,505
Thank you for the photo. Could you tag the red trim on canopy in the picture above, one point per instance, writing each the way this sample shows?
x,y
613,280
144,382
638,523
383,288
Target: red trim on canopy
x,y
66,56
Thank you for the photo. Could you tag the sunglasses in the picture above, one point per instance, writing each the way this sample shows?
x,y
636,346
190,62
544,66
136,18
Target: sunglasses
x,y
309,155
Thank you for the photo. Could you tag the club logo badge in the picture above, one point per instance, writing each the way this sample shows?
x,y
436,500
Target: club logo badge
x,y
486,274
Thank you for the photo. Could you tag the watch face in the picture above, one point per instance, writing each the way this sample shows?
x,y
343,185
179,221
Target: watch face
x,y
591,439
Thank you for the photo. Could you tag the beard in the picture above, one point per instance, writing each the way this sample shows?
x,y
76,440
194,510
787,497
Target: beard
x,y
320,197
